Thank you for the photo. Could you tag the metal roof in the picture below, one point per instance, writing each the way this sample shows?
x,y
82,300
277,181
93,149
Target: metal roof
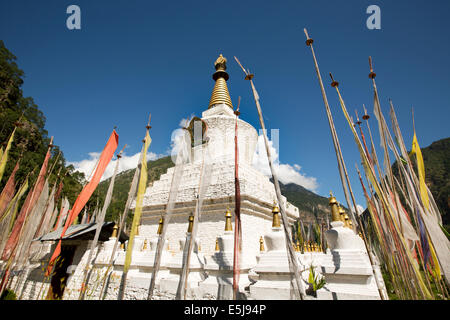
x,y
82,231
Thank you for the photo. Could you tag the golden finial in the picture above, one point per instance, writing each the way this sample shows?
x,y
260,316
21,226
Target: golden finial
x,y
144,247
114,232
341,213
276,216
305,247
220,94
228,226
161,221
297,246
261,244
315,247
191,223
334,208
217,245
347,224
122,246
310,246
221,63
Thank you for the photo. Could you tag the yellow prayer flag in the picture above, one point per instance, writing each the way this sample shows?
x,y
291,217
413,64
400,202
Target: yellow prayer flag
x,y
4,155
139,200
421,169
437,269
13,205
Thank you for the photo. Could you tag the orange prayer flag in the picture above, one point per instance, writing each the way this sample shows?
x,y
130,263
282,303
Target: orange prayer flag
x,y
87,191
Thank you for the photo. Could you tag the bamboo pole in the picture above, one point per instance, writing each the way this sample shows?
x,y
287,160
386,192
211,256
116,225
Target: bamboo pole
x,y
122,219
133,232
191,238
106,204
341,164
299,291
176,177
368,249
237,210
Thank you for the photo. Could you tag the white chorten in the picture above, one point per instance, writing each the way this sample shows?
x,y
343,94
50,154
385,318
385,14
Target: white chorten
x,y
257,191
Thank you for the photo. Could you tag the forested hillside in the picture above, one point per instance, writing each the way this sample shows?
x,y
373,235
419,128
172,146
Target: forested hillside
x,y
31,140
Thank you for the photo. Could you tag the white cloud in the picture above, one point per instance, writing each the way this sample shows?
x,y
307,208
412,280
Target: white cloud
x,y
360,209
286,173
87,166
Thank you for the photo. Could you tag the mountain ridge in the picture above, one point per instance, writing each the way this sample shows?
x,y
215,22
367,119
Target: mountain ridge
x,y
311,205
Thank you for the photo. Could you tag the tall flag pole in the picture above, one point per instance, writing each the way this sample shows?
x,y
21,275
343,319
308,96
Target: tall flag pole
x,y
335,84
358,122
131,196
337,148
86,193
99,223
204,182
138,209
237,210
183,157
299,290
381,125
405,255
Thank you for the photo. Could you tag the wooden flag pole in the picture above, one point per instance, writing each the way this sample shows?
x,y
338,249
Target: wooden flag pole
x,y
86,274
174,185
131,195
299,291
341,164
141,181
335,84
237,210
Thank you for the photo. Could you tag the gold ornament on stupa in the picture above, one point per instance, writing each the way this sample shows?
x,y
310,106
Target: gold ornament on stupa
x,y
334,208
342,215
347,219
114,233
191,223
144,247
276,216
228,226
220,94
161,221
261,244
217,245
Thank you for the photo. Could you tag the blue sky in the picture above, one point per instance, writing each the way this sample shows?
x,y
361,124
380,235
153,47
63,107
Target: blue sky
x,y
135,57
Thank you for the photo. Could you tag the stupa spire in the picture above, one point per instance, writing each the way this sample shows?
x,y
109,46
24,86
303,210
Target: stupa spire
x,y
220,94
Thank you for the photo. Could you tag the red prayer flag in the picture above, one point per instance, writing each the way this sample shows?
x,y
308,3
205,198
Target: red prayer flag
x,y
28,205
8,191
